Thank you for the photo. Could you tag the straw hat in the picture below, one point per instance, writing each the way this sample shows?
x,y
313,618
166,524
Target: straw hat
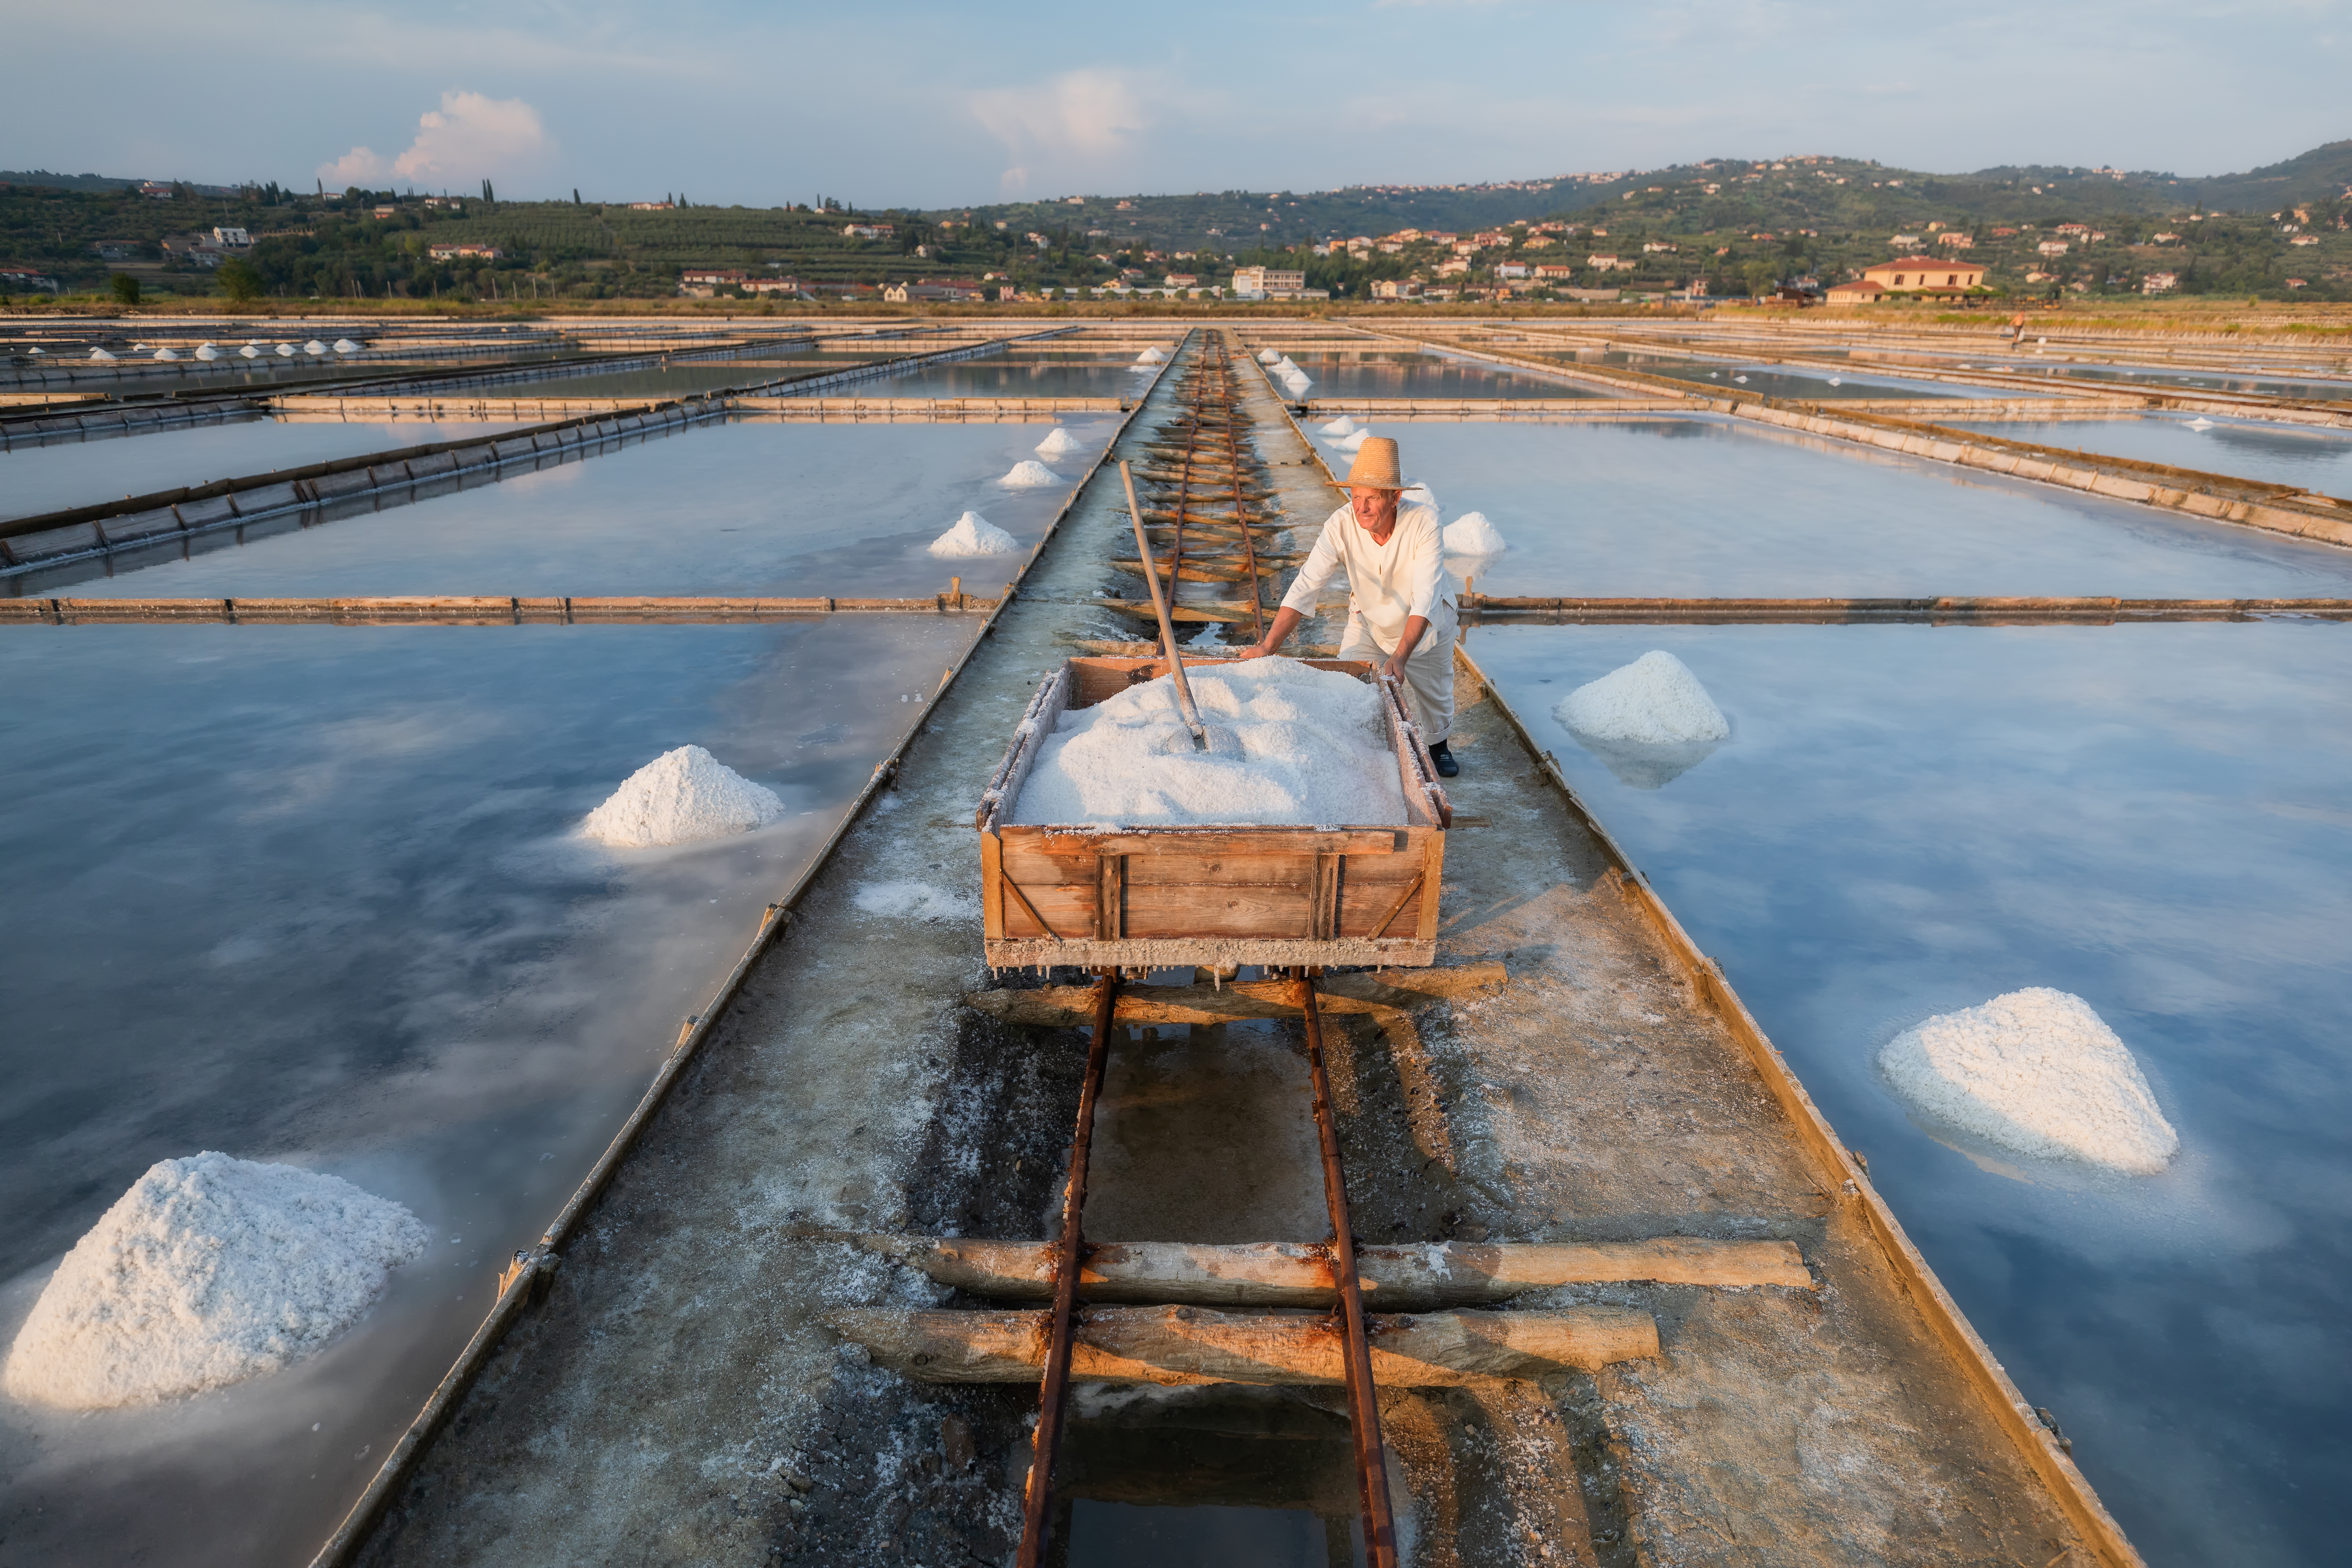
x,y
1375,468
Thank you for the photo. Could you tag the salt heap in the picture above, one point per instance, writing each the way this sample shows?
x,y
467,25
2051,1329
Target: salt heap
x,y
209,1270
345,346
1029,474
678,797
102,357
1416,492
975,535
1342,426
1353,438
1267,356
314,347
1472,534
286,351
1058,442
1654,700
1152,356
2037,1071
207,352
165,354
248,351
1313,750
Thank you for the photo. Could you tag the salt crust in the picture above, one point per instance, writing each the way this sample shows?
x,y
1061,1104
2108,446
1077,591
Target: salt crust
x,y
1029,474
1314,751
1654,700
2037,1071
1472,534
913,900
208,1271
975,535
1058,442
679,797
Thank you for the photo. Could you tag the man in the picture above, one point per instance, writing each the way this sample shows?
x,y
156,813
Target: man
x,y
1399,614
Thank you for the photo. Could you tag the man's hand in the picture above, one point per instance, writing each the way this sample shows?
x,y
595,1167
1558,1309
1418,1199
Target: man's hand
x,y
1286,621
1395,668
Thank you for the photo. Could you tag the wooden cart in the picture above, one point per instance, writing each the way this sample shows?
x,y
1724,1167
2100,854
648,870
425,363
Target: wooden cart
x,y
1161,896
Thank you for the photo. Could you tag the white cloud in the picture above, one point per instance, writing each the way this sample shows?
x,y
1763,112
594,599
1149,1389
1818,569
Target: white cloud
x,y
470,137
1094,120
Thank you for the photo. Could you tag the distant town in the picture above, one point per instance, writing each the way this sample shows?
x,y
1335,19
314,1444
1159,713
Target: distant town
x,y
1801,229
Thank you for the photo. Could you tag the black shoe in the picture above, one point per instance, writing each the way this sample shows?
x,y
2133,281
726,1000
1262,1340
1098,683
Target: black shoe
x,y
1446,766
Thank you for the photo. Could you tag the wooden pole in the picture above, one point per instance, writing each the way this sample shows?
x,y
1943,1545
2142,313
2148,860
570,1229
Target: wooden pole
x,y
1159,607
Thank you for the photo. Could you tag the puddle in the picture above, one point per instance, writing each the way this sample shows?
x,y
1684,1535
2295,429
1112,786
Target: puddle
x,y
744,508
86,472
313,895
1909,820
1701,507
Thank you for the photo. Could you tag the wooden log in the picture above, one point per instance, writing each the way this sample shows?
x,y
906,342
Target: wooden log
x,y
1194,1345
1058,1006
1409,1279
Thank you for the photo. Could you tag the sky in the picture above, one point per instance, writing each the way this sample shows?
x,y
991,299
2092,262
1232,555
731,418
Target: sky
x,y
921,104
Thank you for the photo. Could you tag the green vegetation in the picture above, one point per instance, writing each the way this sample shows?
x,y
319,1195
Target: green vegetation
x,y
125,289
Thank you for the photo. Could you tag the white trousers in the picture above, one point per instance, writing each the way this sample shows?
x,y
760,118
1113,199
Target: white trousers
x,y
1428,675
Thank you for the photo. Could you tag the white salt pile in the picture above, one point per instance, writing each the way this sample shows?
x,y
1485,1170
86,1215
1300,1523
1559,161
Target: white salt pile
x,y
207,352
1353,439
2200,423
1267,356
1029,474
1472,534
102,357
1058,443
209,1270
2037,1071
248,351
1152,356
975,535
679,797
1342,426
1311,742
286,350
345,346
314,347
1654,700
165,354
1416,493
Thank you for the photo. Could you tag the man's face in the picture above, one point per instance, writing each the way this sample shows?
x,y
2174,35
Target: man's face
x,y
1375,509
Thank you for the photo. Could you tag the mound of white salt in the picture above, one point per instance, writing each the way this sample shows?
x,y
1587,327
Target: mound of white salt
x,y
975,535
2037,1071
287,350
208,1271
165,354
1267,356
345,346
248,351
679,797
1152,356
1029,474
102,357
1353,438
1295,744
1654,700
207,352
1058,443
1472,534
1342,426
1417,493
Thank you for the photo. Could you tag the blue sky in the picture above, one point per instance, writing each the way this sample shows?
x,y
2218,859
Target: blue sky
x,y
921,104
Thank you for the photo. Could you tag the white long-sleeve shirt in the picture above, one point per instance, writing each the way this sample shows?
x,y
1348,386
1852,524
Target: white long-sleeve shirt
x,y
1388,584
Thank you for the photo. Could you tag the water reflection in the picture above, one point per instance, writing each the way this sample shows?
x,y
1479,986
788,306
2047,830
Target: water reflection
x,y
1916,819
314,895
2275,454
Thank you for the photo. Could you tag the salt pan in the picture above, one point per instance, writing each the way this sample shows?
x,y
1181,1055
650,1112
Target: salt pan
x,y
679,797
1654,700
1029,474
1058,442
1472,534
975,535
1311,742
1342,426
208,1271
2037,1071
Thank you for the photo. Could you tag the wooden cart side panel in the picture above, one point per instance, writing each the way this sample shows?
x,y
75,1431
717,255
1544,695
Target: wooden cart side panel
x,y
1363,908
1432,883
992,887
1044,711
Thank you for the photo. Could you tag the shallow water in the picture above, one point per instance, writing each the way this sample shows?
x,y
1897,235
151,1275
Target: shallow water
x,y
311,895
1911,820
2248,449
790,509
1709,507
1781,381
1005,376
2268,386
93,469
1338,377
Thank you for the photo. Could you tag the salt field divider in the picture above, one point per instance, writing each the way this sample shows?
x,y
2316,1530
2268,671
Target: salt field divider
x,y
482,610
2216,497
527,1278
1847,1182
1496,410
1479,610
76,534
916,361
